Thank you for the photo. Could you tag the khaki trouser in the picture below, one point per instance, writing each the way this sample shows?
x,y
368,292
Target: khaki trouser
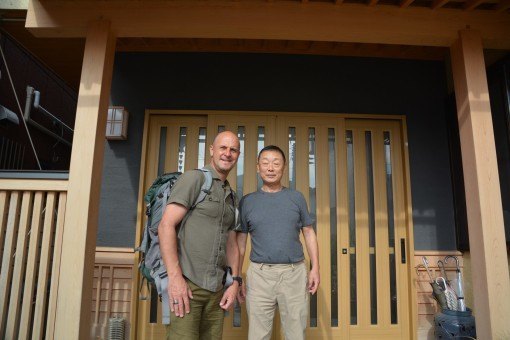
x,y
205,320
282,285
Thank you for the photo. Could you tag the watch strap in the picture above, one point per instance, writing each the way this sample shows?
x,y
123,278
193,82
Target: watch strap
x,y
238,279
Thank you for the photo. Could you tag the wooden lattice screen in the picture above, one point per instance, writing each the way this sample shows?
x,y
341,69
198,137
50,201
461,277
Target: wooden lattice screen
x,y
31,226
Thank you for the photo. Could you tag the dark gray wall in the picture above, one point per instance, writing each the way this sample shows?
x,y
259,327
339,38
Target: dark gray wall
x,y
222,81
56,97
499,90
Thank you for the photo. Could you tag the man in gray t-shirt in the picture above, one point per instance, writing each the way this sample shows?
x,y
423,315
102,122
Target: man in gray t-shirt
x,y
274,217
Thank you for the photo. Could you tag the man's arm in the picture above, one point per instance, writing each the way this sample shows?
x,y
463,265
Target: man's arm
x,y
233,252
233,262
178,290
241,243
313,251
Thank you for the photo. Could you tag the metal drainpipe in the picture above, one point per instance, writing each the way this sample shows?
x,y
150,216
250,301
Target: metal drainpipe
x,y
28,102
26,114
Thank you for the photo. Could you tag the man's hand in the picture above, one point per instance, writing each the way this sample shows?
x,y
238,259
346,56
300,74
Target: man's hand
x,y
229,296
313,280
241,294
179,291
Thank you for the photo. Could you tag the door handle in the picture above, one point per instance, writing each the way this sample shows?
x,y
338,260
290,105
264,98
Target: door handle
x,y
403,250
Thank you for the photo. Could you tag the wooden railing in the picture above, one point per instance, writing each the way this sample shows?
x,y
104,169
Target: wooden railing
x,y
31,226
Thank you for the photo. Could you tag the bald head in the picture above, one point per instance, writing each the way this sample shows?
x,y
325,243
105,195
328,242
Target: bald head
x,y
224,151
226,135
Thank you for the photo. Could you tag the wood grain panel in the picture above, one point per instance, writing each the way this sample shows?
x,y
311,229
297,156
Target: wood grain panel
x,y
31,267
362,233
343,261
192,147
253,20
172,148
41,302
323,229
403,228
4,209
55,271
86,166
40,185
382,250
11,330
113,272
483,190
7,258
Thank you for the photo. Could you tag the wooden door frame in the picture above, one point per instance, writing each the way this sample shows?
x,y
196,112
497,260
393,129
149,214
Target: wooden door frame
x,y
149,113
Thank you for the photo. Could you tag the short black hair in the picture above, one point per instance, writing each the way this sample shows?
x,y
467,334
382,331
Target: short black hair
x,y
272,148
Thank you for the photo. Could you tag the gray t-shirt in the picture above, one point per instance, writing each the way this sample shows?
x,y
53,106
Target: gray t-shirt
x,y
274,221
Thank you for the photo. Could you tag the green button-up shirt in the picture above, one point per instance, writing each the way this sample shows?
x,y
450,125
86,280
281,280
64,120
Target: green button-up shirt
x,y
202,241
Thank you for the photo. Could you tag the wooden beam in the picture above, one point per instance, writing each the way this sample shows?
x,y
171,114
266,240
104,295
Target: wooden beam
x,y
491,285
503,5
405,3
80,228
439,3
33,184
472,4
285,20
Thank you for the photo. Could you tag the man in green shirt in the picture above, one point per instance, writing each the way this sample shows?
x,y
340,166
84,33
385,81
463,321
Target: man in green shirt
x,y
195,257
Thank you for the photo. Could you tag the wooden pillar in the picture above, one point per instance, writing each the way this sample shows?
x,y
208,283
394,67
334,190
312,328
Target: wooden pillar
x,y
491,284
80,228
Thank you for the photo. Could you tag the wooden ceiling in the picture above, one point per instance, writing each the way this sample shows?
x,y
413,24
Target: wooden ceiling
x,y
64,55
466,5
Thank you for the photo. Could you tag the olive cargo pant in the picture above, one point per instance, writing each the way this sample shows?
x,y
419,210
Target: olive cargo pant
x,y
205,320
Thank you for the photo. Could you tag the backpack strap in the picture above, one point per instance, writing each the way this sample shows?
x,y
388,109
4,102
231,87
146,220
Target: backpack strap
x,y
161,276
205,190
206,187
161,282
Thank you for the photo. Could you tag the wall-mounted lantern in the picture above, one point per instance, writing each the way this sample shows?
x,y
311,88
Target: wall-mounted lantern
x,y
117,122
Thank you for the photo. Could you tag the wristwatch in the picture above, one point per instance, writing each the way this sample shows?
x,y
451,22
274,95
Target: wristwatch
x,y
238,279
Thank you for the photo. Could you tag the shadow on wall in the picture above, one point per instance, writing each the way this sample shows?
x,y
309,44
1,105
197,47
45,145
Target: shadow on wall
x,y
426,223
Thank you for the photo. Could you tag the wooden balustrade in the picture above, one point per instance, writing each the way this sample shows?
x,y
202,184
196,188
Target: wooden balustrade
x,y
31,227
